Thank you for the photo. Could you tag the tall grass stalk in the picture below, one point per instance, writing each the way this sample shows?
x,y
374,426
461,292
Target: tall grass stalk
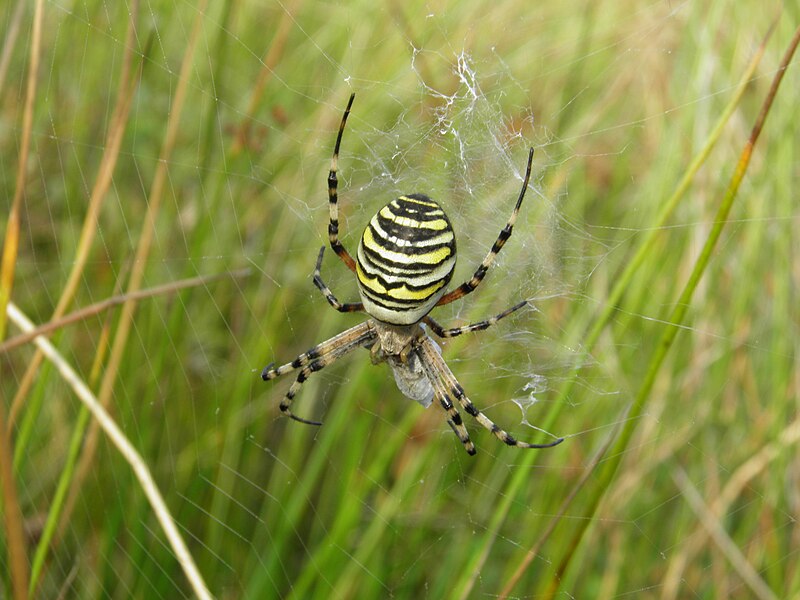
x,y
126,449
674,323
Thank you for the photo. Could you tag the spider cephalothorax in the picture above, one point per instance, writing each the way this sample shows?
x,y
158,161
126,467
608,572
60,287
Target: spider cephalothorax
x,y
405,261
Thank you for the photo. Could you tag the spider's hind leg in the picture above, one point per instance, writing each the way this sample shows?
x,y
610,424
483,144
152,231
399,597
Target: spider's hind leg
x,y
469,286
333,196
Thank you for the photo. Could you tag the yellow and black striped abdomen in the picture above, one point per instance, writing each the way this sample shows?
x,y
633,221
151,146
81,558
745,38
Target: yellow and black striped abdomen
x,y
405,260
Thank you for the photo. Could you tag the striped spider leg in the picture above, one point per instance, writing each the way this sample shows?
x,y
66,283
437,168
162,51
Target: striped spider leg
x,y
326,291
316,359
446,387
442,395
469,286
333,197
479,326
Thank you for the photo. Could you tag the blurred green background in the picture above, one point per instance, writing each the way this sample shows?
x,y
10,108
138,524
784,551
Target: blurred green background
x,y
233,112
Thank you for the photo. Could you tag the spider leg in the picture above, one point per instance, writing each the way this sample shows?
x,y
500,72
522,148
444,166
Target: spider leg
x,y
441,393
455,422
479,326
349,339
436,368
306,371
316,359
469,286
326,291
333,198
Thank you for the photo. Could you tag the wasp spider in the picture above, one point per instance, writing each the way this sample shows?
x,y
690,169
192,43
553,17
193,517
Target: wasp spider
x,y
404,262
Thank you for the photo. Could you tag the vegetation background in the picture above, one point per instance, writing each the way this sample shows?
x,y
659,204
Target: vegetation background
x,y
170,140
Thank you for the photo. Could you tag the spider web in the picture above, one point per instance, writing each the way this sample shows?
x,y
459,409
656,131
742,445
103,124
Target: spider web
x,y
382,501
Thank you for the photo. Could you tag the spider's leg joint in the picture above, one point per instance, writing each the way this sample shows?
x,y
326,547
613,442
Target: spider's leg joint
x,y
457,425
471,410
376,354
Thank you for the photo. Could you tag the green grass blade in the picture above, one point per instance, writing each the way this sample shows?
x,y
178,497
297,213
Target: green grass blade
x,y
675,322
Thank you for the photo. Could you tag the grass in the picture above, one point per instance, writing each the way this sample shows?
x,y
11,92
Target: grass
x,y
196,142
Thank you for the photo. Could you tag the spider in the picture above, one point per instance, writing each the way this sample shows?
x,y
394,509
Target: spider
x,y
404,262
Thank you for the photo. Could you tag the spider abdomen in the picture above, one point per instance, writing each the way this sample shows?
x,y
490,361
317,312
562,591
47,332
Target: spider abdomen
x,y
405,260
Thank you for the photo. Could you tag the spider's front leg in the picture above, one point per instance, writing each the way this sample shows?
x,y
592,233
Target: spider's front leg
x,y
444,382
316,359
454,420
317,365
441,394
